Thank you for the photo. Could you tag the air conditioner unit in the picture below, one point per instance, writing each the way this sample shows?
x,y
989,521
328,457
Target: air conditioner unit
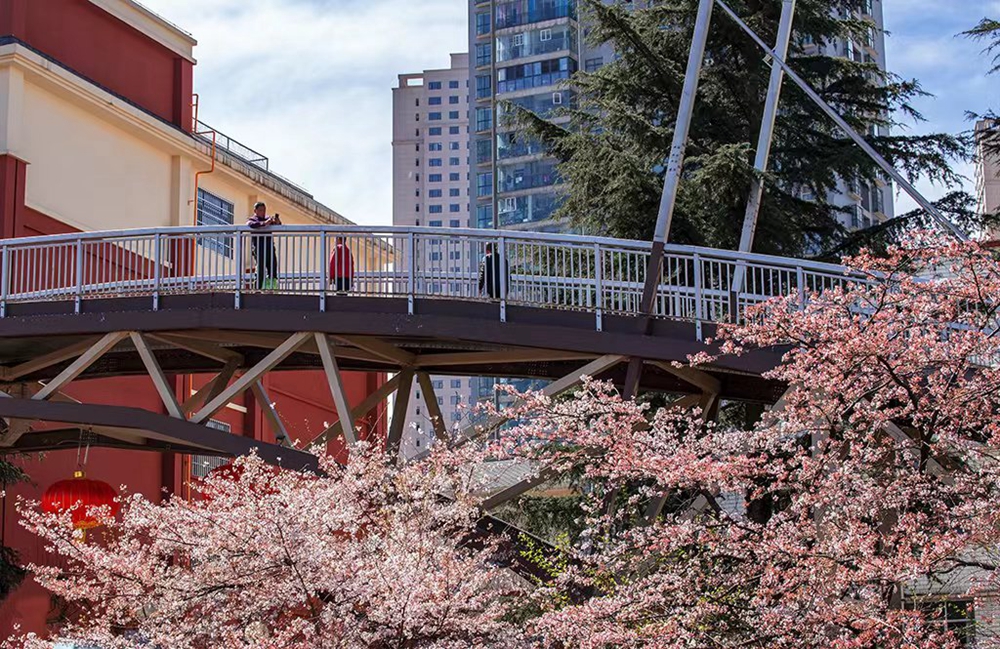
x,y
545,35
507,205
557,98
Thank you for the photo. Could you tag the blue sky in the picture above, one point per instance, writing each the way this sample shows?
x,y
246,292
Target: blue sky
x,y
309,82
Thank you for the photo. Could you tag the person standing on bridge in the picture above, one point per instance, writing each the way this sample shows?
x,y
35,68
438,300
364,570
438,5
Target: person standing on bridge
x,y
262,245
491,269
341,266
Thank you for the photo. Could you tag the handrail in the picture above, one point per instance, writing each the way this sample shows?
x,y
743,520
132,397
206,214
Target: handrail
x,y
597,275
576,239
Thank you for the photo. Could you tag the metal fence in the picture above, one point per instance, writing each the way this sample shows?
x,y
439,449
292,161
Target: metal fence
x,y
586,274
232,146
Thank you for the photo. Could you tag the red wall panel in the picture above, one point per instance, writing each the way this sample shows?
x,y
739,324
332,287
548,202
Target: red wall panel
x,y
88,40
302,397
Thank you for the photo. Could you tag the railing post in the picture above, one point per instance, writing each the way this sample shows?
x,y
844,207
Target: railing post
x,y
5,289
238,268
801,275
157,260
504,268
599,286
324,271
79,273
411,266
699,304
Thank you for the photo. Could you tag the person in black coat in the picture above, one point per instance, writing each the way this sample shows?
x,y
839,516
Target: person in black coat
x,y
490,270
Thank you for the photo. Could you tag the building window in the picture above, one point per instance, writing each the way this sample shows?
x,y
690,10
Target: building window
x,y
454,207
453,114
484,54
455,223
454,162
954,615
453,99
484,86
434,85
433,101
434,116
454,130
482,24
434,193
213,210
453,146
435,209
435,146
590,65
434,130
435,162
434,224
454,177
453,84
434,178
456,383
454,192
438,385
484,184
534,75
484,119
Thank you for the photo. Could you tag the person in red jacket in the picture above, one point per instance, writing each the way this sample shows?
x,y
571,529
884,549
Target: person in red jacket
x,y
341,266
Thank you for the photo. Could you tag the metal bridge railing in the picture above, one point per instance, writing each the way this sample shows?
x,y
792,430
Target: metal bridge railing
x,y
585,274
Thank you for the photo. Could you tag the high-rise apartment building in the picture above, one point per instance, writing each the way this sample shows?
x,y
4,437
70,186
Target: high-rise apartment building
x,y
430,184
987,173
522,53
864,203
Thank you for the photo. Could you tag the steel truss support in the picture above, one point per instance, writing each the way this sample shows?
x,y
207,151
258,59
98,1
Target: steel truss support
x,y
709,405
213,388
851,133
360,411
399,413
80,365
242,384
766,133
433,409
553,389
163,387
336,383
277,425
10,374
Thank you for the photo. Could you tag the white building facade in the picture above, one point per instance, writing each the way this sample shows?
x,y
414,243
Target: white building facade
x,y
430,172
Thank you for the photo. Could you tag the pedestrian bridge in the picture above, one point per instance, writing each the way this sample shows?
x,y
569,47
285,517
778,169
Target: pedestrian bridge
x,y
187,300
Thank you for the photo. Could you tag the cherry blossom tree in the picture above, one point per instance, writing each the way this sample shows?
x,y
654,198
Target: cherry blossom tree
x,y
875,481
367,555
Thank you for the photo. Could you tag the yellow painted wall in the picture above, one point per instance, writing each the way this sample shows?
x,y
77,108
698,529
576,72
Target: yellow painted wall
x,y
87,173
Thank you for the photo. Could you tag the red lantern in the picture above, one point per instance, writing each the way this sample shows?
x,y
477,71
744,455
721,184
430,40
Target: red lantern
x,y
87,493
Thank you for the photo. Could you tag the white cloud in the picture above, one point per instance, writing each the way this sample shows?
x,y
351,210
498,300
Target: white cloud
x,y
308,83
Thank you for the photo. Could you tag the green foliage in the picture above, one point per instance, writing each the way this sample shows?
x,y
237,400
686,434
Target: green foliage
x,y
613,150
555,519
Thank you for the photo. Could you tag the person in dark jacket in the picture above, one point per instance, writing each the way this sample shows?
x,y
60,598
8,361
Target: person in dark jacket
x,y
341,266
491,270
263,245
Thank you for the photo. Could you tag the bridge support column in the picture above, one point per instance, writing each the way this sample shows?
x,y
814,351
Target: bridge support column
x,y
336,383
399,413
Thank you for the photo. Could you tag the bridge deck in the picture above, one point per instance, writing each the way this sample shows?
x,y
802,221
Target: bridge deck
x,y
416,305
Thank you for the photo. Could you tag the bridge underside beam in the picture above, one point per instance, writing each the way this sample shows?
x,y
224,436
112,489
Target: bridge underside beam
x,y
162,429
